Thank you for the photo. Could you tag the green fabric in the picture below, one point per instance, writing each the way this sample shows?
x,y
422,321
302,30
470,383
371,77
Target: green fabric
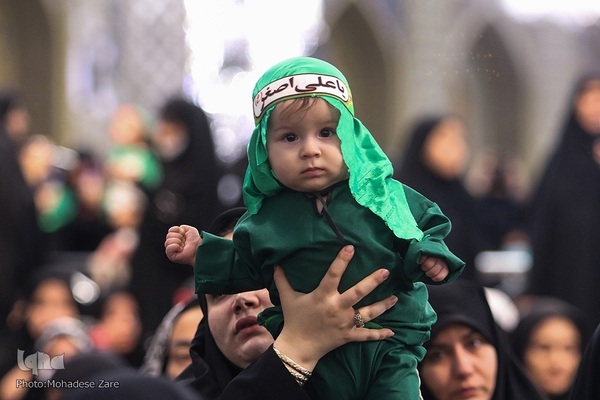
x,y
141,158
370,370
62,210
370,169
389,224
379,370
263,240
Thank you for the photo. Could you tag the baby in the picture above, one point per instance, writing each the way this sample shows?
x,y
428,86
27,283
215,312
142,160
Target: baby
x,y
316,181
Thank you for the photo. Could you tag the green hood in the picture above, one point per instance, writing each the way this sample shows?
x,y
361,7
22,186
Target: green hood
x,y
370,180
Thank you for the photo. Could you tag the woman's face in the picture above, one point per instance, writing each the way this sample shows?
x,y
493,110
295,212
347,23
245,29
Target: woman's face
x,y
553,354
121,322
183,332
50,300
171,139
460,364
126,126
587,107
446,151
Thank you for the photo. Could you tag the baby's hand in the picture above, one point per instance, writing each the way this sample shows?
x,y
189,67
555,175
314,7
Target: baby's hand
x,y
434,267
181,244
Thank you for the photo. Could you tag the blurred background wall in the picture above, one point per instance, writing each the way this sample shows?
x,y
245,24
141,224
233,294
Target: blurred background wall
x,y
509,75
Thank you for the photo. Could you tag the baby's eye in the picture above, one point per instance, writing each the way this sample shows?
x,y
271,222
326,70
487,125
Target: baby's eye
x,y
327,133
290,137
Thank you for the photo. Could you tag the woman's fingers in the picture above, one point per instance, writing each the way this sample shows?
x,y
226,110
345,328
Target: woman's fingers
x,y
329,311
327,291
357,292
331,280
374,310
367,335
283,285
368,313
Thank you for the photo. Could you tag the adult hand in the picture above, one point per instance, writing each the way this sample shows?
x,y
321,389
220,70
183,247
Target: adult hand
x,y
322,320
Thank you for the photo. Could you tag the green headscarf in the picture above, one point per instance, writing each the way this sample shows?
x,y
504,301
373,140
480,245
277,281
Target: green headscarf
x,y
370,180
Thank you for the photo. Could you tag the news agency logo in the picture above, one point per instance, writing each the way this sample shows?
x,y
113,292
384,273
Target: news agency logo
x,y
39,361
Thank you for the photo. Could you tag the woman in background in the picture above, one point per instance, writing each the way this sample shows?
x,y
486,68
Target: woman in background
x,y
564,216
187,194
434,164
469,355
549,340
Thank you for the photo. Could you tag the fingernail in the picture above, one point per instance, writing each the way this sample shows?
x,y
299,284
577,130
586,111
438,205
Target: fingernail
x,y
349,248
394,300
385,273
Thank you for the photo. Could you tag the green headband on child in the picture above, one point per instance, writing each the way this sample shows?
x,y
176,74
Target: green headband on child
x,y
370,181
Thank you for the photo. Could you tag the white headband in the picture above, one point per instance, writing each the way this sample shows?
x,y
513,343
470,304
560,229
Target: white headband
x,y
298,86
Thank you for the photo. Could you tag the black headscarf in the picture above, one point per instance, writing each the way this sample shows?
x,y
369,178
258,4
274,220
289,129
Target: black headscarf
x,y
574,141
465,302
9,99
157,354
187,195
192,176
132,385
211,371
587,384
564,218
465,239
21,240
82,366
541,310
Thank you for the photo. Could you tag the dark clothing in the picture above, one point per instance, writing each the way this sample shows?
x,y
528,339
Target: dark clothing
x,y
78,369
21,244
466,238
465,302
587,385
500,216
131,384
210,371
83,234
187,195
214,377
564,223
266,379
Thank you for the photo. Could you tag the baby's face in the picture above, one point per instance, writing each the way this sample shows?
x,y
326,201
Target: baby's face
x,y
303,146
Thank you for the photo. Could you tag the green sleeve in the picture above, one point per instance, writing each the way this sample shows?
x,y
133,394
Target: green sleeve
x,y
435,226
152,175
221,269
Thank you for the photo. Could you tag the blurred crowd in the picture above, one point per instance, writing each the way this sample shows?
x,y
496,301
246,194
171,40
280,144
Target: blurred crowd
x,y
81,236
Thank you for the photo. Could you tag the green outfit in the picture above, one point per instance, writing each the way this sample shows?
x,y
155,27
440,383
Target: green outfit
x,y
389,224
62,211
289,231
141,158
